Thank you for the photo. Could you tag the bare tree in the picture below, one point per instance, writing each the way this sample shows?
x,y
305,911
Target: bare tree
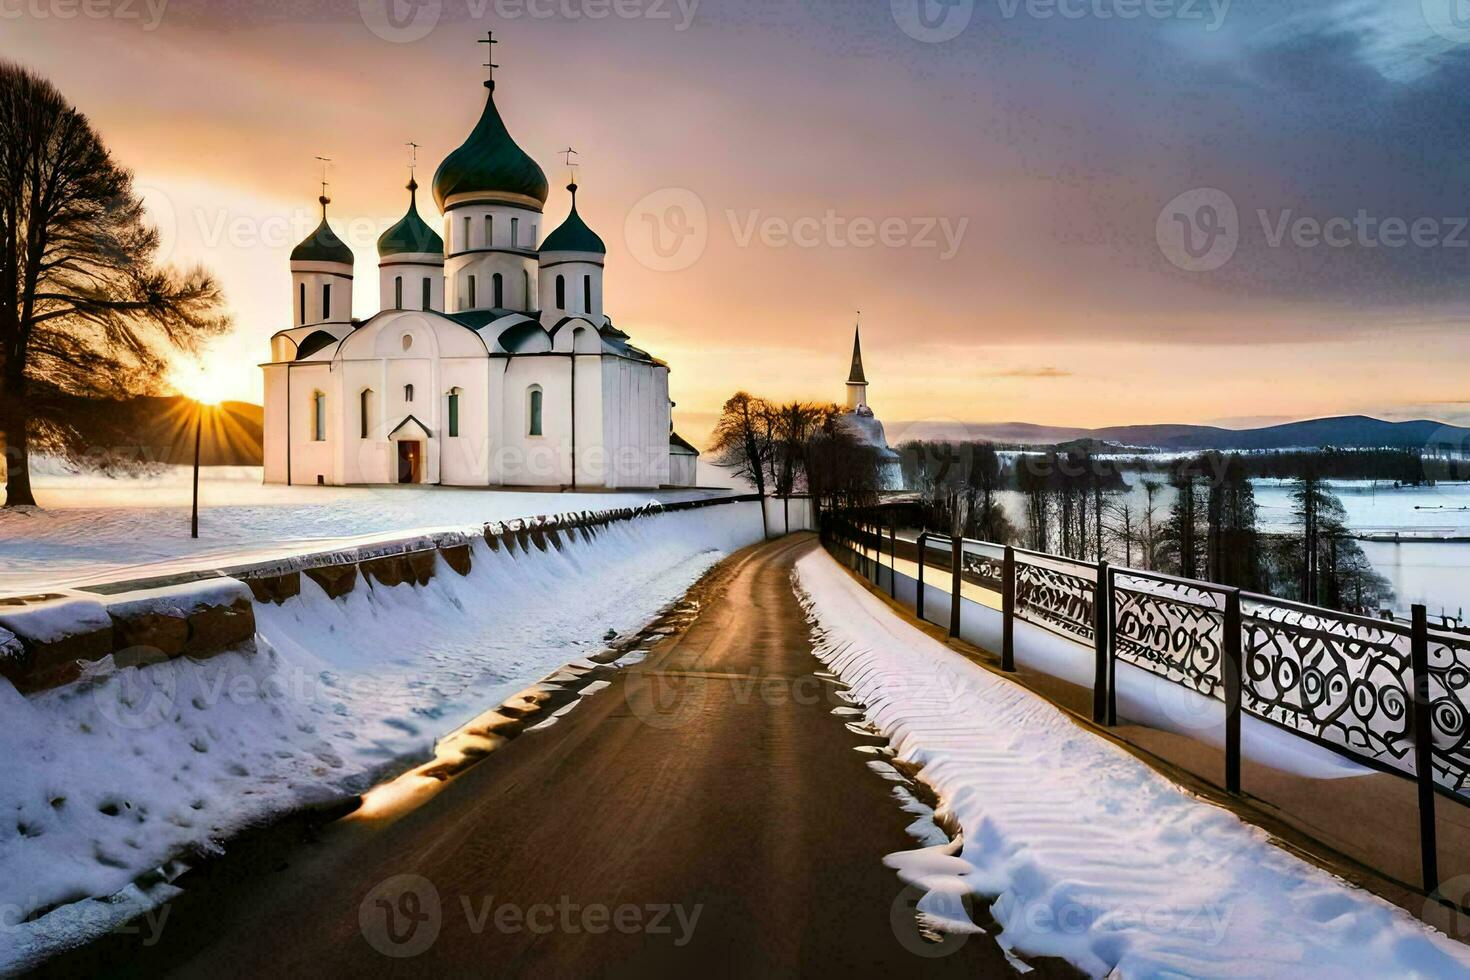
x,y
84,308
1124,526
1149,523
792,427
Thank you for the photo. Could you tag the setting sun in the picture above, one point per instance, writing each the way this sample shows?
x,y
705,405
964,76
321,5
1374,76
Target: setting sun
x,y
197,381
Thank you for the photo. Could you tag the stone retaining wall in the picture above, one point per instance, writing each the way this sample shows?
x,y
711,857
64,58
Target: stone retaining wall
x,y
50,640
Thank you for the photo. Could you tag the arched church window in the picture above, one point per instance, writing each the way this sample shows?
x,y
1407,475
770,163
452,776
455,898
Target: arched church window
x,y
318,417
515,232
407,341
428,296
472,292
408,393
302,296
326,301
489,230
465,242
526,288
498,283
586,294
365,409
561,292
453,412
533,411
398,292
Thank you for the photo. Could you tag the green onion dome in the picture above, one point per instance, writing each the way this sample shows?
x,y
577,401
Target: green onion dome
x,y
322,245
573,235
489,162
412,235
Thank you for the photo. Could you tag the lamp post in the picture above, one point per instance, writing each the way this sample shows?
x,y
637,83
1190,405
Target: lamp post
x,y
195,387
198,437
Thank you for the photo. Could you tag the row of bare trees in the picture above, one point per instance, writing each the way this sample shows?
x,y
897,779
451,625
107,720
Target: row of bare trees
x,y
794,447
1193,516
86,313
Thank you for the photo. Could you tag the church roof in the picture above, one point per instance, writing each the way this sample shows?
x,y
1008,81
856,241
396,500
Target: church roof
x,y
573,235
412,234
322,245
489,161
856,376
679,445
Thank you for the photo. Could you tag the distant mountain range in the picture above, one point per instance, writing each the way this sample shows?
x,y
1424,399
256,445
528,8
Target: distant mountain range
x,y
1345,432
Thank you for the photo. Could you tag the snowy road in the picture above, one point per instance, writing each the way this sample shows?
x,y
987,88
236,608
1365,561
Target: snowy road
x,y
710,799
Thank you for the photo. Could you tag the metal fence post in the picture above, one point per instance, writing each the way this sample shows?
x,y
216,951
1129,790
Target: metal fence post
x,y
956,547
1423,746
1100,605
1008,611
892,555
1232,666
1112,621
919,603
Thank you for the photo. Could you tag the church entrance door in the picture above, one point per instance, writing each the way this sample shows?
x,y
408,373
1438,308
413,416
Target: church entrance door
x,y
410,461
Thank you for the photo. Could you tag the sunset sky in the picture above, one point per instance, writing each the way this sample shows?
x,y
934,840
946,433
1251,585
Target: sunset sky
x,y
1040,145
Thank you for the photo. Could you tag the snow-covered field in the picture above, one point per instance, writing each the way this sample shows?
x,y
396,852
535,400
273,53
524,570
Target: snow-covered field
x,y
91,528
1086,852
104,780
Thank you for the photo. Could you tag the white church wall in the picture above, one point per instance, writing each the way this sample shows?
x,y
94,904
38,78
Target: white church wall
x,y
636,426
314,276
312,459
523,459
413,273
591,449
273,436
465,244
515,270
682,470
464,459
572,271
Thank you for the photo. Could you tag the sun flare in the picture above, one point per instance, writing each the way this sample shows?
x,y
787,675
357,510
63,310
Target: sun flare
x,y
196,382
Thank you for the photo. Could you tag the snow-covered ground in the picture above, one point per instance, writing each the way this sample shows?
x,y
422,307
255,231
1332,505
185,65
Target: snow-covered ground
x,y
1086,852
103,780
91,528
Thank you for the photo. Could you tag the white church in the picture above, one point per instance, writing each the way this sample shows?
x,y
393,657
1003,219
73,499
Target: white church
x,y
491,363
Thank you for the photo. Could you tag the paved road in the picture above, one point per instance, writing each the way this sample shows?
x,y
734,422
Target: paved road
x,y
705,814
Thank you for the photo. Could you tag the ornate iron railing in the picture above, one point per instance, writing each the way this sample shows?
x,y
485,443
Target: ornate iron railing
x,y
1343,681
1170,626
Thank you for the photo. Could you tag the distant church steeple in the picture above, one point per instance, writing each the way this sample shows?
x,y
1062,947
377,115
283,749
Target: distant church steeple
x,y
857,382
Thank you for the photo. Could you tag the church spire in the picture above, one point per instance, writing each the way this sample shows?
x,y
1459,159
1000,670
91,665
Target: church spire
x,y
857,382
856,377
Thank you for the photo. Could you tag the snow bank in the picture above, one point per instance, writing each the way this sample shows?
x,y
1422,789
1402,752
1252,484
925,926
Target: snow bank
x,y
1088,853
103,781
